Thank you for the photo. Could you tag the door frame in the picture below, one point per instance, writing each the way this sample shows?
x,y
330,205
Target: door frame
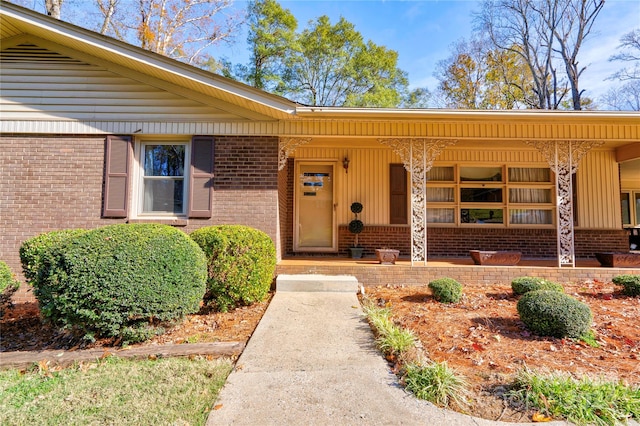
x,y
296,194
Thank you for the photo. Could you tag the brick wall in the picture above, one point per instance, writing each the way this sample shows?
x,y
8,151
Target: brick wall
x,y
55,182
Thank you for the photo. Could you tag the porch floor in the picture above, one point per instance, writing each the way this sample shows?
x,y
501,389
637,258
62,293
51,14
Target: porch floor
x,y
370,273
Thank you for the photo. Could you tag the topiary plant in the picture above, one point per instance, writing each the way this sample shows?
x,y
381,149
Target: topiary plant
x,y
356,225
32,249
122,280
446,290
550,313
8,285
524,285
241,264
630,284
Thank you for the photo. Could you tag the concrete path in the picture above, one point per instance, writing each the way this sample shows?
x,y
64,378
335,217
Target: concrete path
x,y
312,361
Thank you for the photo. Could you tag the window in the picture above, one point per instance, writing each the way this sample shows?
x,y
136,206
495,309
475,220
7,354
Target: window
x,y
490,195
630,203
162,178
174,178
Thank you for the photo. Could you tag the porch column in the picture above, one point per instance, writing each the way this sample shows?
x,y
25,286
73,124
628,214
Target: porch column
x,y
564,157
286,146
417,155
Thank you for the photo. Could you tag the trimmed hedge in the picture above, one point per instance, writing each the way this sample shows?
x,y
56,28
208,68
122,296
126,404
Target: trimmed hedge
x,y
241,264
630,284
121,280
522,285
8,285
550,313
446,290
32,249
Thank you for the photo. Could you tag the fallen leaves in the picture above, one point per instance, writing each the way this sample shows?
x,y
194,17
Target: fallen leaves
x,y
538,418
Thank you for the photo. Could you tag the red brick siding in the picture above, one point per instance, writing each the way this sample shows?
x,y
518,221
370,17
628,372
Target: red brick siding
x,y
55,182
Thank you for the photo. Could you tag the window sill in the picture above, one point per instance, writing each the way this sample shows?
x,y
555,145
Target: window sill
x,y
161,221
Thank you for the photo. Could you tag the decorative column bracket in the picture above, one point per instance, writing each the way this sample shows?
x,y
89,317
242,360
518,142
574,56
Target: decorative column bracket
x,y
563,157
286,146
417,155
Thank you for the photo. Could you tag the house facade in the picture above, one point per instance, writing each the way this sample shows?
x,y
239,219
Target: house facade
x,y
96,132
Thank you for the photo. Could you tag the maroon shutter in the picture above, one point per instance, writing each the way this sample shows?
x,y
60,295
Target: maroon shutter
x,y
398,196
118,151
201,177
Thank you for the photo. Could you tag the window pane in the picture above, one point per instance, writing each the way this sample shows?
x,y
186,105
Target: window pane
x,y
440,215
626,208
163,196
529,195
481,216
530,217
481,195
529,174
441,174
637,197
440,194
481,174
164,160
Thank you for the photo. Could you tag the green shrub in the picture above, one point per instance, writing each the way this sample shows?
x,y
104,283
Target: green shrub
x,y
241,264
524,285
446,290
436,382
121,280
629,283
32,249
550,313
8,285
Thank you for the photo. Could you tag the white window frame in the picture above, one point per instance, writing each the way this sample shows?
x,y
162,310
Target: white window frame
x,y
139,178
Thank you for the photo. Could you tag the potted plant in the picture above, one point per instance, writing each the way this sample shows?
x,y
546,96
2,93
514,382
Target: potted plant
x,y
355,227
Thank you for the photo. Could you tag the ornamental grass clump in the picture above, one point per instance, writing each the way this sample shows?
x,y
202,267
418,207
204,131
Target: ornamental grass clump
x,y
241,263
437,383
524,285
122,281
630,284
446,290
554,314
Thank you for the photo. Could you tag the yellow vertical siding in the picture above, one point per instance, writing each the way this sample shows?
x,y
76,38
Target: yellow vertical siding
x,y
599,191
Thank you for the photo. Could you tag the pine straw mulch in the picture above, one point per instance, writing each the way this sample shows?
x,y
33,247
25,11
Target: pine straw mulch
x,y
483,339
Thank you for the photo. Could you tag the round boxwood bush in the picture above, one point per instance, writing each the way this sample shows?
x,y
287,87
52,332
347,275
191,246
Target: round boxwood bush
x,y
241,264
8,285
32,249
550,313
122,281
630,284
446,290
524,285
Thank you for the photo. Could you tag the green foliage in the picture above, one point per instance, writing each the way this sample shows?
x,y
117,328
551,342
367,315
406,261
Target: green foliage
x,y
121,280
446,290
392,340
550,313
436,383
31,250
630,284
356,226
522,285
8,285
582,402
241,264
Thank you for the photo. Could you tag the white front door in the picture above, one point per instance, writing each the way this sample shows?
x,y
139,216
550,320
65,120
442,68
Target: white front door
x,y
314,215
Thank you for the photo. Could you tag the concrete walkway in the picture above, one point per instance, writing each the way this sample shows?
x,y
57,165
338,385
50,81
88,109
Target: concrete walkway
x,y
312,361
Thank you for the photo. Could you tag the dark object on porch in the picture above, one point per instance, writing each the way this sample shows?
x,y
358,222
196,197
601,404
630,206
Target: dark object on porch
x,y
619,260
387,256
499,258
634,238
355,227
356,252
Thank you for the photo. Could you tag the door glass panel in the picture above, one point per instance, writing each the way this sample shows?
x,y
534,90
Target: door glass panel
x,y
315,206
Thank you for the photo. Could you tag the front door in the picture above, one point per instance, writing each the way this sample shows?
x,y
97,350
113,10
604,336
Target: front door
x,y
314,207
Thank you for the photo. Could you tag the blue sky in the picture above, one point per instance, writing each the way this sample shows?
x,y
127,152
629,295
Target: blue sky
x,y
423,30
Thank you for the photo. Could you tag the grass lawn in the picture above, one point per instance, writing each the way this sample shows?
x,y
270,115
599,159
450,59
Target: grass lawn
x,y
170,391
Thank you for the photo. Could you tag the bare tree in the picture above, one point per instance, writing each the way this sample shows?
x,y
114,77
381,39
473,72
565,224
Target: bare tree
x,y
53,7
623,98
543,33
630,52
